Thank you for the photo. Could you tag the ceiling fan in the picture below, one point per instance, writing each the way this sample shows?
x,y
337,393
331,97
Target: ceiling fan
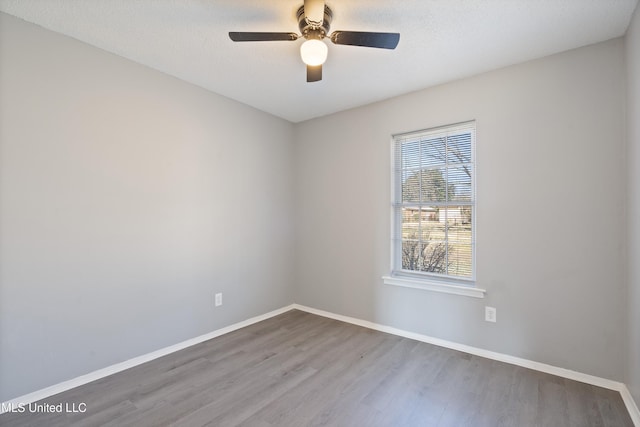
x,y
314,19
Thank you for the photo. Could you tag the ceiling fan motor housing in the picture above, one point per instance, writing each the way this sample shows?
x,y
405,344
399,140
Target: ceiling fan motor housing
x,y
312,30
314,27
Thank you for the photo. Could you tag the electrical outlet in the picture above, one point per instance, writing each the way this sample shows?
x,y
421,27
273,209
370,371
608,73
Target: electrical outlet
x,y
490,314
218,300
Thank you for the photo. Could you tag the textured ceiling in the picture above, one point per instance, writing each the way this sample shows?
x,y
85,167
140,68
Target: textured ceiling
x,y
441,40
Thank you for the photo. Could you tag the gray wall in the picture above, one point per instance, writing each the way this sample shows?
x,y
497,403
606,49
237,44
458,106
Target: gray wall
x,y
633,203
550,213
128,198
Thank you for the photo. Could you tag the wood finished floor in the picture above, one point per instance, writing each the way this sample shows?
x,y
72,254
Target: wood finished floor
x,y
298,369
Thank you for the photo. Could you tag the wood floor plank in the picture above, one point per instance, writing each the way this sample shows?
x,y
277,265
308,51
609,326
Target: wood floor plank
x,y
552,402
583,405
299,369
337,369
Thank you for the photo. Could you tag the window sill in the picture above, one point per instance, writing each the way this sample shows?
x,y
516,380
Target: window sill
x,y
434,285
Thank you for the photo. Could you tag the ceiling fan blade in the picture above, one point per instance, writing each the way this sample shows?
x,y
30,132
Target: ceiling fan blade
x,y
366,39
261,37
314,73
314,12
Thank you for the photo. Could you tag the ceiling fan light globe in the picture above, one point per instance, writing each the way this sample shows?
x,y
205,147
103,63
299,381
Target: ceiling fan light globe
x,y
314,52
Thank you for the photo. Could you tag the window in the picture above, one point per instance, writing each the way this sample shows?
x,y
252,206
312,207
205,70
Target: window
x,y
434,209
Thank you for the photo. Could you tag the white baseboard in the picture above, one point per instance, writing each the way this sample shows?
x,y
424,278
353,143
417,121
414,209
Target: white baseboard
x,y
542,367
525,363
634,412
118,367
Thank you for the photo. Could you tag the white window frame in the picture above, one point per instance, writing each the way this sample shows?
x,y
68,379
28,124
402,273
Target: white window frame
x,y
427,280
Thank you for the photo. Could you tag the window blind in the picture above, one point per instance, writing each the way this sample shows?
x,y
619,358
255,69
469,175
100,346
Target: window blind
x,y
434,202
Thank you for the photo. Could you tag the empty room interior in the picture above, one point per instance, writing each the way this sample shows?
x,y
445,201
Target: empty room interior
x,y
344,213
